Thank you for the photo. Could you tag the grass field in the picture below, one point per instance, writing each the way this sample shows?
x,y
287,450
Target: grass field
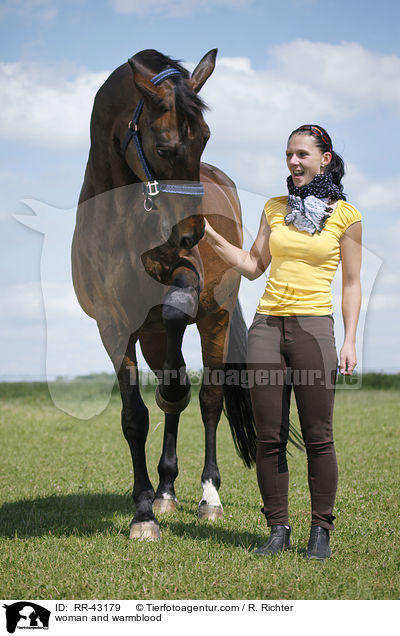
x,y
66,494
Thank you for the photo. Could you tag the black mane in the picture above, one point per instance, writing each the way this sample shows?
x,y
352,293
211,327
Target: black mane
x,y
157,62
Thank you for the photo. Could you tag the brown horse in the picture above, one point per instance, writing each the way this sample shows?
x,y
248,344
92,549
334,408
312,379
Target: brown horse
x,y
143,272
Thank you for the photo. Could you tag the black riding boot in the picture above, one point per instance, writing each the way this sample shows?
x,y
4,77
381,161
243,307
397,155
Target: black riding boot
x,y
318,544
278,541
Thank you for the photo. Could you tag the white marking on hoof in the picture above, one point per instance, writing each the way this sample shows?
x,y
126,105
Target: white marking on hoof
x,y
210,494
145,531
210,506
166,503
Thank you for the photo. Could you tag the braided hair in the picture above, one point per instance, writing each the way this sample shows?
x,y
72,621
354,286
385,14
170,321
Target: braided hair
x,y
323,141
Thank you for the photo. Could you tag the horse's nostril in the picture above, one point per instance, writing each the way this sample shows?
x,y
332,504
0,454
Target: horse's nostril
x,y
187,241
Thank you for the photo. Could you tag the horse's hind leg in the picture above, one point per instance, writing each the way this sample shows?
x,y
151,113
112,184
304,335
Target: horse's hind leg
x,y
153,348
135,426
213,330
211,399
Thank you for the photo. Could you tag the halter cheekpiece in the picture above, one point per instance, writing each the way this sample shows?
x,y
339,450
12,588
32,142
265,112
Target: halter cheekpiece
x,y
152,188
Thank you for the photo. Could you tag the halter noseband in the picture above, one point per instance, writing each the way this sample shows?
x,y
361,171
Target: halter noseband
x,y
153,187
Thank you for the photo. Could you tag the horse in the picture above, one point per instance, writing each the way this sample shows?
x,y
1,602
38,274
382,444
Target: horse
x,y
142,269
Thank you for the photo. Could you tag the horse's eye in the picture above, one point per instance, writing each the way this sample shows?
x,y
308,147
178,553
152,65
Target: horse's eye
x,y
163,152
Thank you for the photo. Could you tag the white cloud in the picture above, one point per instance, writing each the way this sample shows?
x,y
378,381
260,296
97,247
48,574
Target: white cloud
x,y
261,170
385,302
382,194
24,301
250,108
47,106
346,72
259,108
21,301
393,235
175,8
69,339
303,81
373,194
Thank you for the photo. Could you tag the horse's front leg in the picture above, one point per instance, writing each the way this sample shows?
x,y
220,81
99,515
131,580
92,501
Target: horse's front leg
x,y
166,500
179,305
154,346
135,426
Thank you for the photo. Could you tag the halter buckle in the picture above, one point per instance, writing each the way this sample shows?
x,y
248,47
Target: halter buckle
x,y
152,188
132,126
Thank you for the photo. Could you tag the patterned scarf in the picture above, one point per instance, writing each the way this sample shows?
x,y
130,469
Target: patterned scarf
x,y
307,206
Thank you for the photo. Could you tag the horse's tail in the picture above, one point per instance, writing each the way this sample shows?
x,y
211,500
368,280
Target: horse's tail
x,y
237,403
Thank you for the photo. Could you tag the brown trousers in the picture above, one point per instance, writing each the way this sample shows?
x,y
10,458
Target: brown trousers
x,y
294,352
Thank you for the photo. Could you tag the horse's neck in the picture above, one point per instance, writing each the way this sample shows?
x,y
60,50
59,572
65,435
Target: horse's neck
x,y
105,173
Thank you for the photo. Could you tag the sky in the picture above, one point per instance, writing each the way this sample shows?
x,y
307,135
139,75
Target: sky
x,y
279,65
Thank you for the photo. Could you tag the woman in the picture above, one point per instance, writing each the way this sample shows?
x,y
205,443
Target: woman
x,y
291,341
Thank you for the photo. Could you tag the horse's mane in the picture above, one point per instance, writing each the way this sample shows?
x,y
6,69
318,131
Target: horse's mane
x,y
189,106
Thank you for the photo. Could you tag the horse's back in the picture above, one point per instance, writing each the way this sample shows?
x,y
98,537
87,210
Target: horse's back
x,y
212,176
210,173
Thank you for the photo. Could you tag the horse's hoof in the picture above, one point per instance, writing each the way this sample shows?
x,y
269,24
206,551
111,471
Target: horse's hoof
x,y
145,531
172,407
161,504
210,513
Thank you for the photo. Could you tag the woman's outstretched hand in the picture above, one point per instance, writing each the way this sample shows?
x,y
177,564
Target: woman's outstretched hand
x,y
207,228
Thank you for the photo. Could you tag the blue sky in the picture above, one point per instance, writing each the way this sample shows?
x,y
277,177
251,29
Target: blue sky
x,y
279,65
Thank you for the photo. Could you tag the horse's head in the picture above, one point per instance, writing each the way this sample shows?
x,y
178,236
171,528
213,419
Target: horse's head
x,y
172,134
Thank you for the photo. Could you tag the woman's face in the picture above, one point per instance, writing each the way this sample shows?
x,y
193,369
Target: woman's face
x,y
304,159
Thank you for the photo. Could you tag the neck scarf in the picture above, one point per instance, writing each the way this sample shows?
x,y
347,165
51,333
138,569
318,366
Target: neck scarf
x,y
307,206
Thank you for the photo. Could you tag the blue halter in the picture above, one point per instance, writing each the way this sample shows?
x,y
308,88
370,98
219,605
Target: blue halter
x,y
153,187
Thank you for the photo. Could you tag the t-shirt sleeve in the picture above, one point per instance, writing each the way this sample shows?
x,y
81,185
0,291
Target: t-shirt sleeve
x,y
274,208
348,215
268,211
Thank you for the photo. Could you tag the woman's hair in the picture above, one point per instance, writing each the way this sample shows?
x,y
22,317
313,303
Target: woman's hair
x,y
324,143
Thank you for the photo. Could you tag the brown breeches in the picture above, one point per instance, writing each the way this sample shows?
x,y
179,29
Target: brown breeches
x,y
294,352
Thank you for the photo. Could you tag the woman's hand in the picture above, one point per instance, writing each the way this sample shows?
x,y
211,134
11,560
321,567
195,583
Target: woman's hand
x,y
207,228
250,264
348,359
209,232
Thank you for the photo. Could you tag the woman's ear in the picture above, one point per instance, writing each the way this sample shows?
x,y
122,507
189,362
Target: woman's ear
x,y
325,161
326,158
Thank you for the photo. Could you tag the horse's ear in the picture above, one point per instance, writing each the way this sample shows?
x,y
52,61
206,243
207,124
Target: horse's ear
x,y
203,70
150,92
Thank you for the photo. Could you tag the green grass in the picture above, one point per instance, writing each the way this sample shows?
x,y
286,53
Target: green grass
x,y
66,488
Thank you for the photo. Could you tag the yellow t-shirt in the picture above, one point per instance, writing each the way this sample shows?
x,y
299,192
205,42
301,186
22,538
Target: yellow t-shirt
x,y
303,265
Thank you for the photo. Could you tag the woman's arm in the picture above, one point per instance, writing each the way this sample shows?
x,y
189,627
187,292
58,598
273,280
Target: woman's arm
x,y
350,247
250,264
